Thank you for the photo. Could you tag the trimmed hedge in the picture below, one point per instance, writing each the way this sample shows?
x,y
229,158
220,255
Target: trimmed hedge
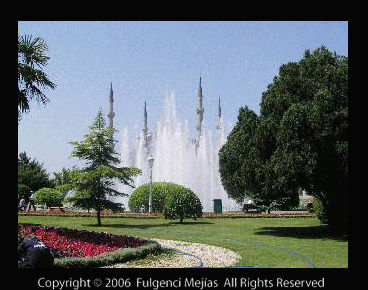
x,y
173,200
139,199
48,196
108,258
182,203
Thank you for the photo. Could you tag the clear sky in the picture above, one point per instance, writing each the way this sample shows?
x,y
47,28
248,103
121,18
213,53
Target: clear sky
x,y
145,60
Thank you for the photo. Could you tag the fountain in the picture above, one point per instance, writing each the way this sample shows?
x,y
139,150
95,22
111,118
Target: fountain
x,y
177,157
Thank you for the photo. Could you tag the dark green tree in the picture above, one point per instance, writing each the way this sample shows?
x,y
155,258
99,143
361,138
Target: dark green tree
x,y
234,152
31,173
95,183
301,140
32,58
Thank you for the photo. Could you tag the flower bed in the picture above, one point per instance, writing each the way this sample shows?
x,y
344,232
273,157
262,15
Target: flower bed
x,y
80,248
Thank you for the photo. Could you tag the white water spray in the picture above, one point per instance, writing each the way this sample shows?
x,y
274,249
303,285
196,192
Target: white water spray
x,y
176,158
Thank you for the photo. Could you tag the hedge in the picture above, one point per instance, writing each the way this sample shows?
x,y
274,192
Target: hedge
x,y
108,258
48,196
182,203
139,199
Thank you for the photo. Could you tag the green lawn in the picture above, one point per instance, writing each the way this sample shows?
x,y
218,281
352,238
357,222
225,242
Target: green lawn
x,y
267,242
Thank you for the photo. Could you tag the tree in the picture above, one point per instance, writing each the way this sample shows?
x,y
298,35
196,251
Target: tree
x,y
62,180
301,139
243,170
32,79
95,183
31,173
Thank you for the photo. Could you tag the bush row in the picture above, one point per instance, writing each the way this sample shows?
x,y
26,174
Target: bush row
x,y
86,214
155,216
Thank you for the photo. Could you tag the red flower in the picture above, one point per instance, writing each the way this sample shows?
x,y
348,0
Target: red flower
x,y
76,243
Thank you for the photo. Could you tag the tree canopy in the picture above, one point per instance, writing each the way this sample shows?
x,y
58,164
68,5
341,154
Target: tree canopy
x,y
31,173
298,142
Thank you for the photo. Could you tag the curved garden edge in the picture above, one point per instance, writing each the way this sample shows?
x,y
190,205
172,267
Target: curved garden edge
x,y
188,255
109,258
121,254
211,256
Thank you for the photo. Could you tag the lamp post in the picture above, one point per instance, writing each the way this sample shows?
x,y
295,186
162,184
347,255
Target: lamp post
x,y
150,164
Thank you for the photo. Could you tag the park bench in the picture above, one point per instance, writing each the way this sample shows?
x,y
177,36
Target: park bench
x,y
61,208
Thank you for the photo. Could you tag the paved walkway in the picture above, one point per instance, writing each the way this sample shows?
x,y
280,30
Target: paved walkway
x,y
199,254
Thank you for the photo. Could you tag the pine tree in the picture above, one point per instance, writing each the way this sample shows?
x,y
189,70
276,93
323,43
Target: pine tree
x,y
32,173
95,183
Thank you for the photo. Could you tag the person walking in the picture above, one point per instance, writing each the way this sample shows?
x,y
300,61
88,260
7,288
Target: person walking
x,y
22,204
31,202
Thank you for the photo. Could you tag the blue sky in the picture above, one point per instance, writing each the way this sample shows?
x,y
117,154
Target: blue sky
x,y
145,60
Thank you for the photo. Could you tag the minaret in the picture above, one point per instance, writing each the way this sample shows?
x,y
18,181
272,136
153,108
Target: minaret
x,y
111,113
147,136
145,126
219,114
200,111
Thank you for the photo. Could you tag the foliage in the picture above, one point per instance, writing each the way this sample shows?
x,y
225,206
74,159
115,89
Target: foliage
x,y
139,198
23,191
174,200
299,141
319,210
235,151
109,258
95,183
48,196
32,58
62,180
31,173
67,213
182,203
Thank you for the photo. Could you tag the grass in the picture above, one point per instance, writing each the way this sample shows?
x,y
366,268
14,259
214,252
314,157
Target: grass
x,y
270,243
151,258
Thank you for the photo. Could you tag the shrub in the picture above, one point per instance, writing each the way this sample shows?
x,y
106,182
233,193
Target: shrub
x,y
108,258
139,199
23,191
319,210
48,196
182,203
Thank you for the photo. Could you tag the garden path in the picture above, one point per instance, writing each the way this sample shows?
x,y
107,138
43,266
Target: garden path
x,y
190,255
